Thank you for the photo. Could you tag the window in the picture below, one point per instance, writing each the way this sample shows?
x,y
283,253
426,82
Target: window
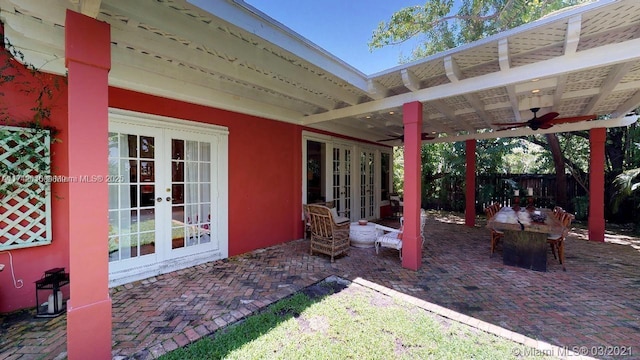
x,y
25,187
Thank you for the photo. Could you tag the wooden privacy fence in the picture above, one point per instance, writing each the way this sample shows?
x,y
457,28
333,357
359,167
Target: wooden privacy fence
x,y
448,192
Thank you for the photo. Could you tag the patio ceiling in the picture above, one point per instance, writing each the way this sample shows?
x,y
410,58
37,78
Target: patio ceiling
x,y
580,61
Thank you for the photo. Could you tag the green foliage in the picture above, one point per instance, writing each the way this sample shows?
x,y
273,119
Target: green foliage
x,y
41,88
581,207
440,28
626,185
398,170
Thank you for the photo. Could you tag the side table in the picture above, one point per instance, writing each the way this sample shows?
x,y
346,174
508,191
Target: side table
x,y
362,236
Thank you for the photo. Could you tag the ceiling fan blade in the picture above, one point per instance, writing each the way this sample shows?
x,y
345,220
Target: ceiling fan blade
x,y
512,125
572,119
392,139
547,117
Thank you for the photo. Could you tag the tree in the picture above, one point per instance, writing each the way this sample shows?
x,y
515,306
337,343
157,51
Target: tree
x,y
440,28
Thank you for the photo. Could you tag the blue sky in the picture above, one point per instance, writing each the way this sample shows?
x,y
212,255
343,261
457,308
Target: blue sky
x,y
342,27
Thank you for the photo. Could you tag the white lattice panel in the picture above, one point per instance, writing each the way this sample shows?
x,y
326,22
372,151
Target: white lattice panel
x,y
25,196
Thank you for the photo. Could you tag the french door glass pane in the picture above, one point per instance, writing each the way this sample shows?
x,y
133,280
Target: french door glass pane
x,y
131,200
194,213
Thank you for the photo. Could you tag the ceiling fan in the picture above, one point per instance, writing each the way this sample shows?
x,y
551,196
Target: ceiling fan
x,y
423,136
545,121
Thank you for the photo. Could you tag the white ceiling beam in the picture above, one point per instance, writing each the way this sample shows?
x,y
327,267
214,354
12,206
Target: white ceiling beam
x,y
148,75
561,81
571,41
455,74
126,34
541,101
449,114
353,130
557,98
89,8
536,84
435,123
504,60
376,90
158,77
212,37
602,56
629,105
561,128
452,69
155,44
410,80
558,16
55,9
572,37
45,58
131,77
616,74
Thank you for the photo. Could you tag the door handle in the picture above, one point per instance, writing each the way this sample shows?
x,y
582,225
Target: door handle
x,y
169,198
159,199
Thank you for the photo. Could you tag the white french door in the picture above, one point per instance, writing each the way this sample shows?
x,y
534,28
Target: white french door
x,y
342,179
367,184
163,198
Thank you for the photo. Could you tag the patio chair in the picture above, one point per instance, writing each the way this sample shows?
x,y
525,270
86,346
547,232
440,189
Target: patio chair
x,y
330,204
392,238
556,241
388,237
327,236
496,235
423,222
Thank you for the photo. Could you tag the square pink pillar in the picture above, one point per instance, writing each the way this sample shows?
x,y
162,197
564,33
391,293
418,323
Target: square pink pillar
x,y
411,237
597,138
88,60
470,184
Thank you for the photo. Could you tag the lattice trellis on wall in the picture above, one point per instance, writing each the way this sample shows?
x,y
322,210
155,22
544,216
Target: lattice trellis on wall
x,y
25,187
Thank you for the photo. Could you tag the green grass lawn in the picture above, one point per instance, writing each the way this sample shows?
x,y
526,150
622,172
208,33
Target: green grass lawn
x,y
327,321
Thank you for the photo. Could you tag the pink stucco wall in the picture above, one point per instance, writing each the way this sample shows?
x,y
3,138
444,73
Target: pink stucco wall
x,y
265,177
265,170
29,264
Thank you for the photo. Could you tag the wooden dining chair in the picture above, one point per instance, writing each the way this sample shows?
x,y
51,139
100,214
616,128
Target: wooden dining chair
x,y
556,241
496,235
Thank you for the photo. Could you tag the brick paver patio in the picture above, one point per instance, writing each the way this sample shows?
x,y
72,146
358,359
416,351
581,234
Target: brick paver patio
x,y
594,303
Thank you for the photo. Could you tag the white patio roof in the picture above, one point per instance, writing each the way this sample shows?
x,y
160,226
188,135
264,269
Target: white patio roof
x,y
581,61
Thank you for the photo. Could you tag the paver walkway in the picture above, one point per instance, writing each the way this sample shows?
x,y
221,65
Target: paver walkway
x,y
594,303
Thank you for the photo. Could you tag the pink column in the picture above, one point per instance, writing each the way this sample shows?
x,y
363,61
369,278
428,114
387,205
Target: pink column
x,y
470,198
597,138
88,60
411,238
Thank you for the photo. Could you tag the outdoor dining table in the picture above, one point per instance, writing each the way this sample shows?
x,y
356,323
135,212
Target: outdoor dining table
x,y
524,243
